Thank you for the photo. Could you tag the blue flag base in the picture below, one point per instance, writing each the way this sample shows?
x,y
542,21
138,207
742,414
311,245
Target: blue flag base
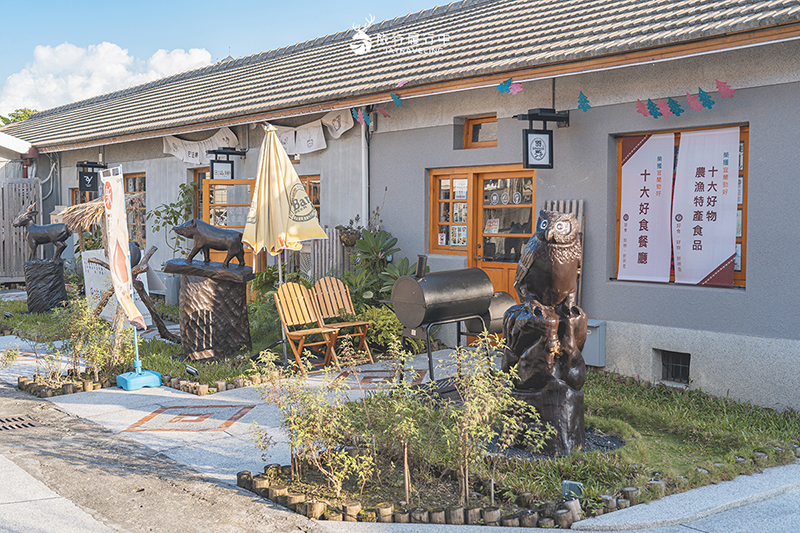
x,y
138,379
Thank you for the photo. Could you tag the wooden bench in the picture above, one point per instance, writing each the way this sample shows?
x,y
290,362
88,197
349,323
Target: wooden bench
x,y
334,303
300,320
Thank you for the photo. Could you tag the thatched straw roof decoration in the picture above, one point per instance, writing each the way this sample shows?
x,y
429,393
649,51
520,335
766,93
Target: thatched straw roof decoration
x,y
82,217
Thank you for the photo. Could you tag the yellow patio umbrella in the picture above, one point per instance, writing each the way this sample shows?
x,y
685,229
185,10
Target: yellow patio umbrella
x,y
281,214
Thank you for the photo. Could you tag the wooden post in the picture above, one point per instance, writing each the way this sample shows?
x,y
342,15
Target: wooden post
x,y
632,494
350,511
563,518
609,503
261,483
546,521
316,509
419,516
528,518
454,515
473,515
384,511
244,479
574,506
276,490
491,516
437,516
401,517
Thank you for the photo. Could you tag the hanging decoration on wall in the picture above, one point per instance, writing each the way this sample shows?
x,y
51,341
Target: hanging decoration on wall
x,y
724,89
663,107
383,112
674,107
402,82
694,102
583,102
361,117
396,99
702,100
509,87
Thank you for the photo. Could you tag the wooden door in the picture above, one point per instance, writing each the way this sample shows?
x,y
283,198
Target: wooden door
x,y
504,223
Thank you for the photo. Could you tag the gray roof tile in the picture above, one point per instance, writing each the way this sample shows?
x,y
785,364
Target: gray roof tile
x,y
485,37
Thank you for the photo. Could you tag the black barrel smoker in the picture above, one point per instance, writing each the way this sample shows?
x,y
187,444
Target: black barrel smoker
x,y
423,301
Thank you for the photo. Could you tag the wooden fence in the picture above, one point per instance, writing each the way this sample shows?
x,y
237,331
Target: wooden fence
x,y
16,194
576,207
321,256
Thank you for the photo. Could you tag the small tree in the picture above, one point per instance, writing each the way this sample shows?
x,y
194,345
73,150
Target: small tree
x,y
167,216
488,412
18,115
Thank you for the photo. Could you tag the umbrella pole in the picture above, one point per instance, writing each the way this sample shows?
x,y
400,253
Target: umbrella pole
x,y
283,333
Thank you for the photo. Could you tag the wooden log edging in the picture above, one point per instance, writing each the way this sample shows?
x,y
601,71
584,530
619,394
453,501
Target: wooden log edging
x,y
37,388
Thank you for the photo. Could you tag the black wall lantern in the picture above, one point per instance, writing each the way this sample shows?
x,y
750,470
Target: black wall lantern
x,y
537,145
223,168
87,175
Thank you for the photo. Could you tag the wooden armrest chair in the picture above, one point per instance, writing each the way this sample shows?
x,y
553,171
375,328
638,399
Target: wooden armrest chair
x,y
333,301
300,320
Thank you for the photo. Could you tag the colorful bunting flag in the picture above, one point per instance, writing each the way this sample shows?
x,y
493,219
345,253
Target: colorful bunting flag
x,y
402,82
653,108
383,112
583,102
674,107
641,108
704,98
694,102
396,99
663,107
724,89
505,86
515,88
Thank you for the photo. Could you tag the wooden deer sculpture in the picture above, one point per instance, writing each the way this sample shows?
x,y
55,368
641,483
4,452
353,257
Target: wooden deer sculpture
x,y
36,235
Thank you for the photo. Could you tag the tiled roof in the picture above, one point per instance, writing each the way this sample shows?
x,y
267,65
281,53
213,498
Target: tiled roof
x,y
476,37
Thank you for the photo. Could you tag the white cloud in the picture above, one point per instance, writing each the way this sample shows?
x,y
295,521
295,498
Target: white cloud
x,y
68,73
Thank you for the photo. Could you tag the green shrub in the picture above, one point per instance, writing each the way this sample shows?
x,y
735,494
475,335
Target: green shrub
x,y
385,328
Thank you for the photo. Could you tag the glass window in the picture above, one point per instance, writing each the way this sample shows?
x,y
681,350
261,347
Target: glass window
x,y
480,132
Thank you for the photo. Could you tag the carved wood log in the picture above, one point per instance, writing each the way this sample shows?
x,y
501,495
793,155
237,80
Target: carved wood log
x,y
350,511
384,511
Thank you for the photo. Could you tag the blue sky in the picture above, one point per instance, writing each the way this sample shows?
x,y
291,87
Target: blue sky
x,y
52,51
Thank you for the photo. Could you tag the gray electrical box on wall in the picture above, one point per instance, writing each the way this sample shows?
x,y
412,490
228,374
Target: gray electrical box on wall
x,y
594,351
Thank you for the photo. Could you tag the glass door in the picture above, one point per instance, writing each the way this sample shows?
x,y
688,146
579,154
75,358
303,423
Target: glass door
x,y
505,224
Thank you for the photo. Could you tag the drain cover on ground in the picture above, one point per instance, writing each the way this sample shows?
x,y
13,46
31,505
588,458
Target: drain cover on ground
x,y
16,422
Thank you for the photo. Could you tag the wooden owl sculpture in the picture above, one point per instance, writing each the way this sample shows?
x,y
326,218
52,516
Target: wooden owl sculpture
x,y
547,273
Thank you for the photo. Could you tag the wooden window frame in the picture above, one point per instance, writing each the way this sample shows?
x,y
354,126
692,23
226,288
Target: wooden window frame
x,y
139,234
76,196
306,181
198,189
474,202
469,124
739,277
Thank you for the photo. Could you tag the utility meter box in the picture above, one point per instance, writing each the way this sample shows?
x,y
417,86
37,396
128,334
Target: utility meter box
x,y
594,351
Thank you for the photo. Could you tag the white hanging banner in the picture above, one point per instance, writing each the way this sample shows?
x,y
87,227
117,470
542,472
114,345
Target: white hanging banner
x,y
704,207
195,151
309,138
338,122
118,253
645,202
286,136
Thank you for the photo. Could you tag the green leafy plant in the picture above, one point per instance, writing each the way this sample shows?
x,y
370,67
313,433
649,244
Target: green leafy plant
x,y
167,216
395,271
374,251
385,329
